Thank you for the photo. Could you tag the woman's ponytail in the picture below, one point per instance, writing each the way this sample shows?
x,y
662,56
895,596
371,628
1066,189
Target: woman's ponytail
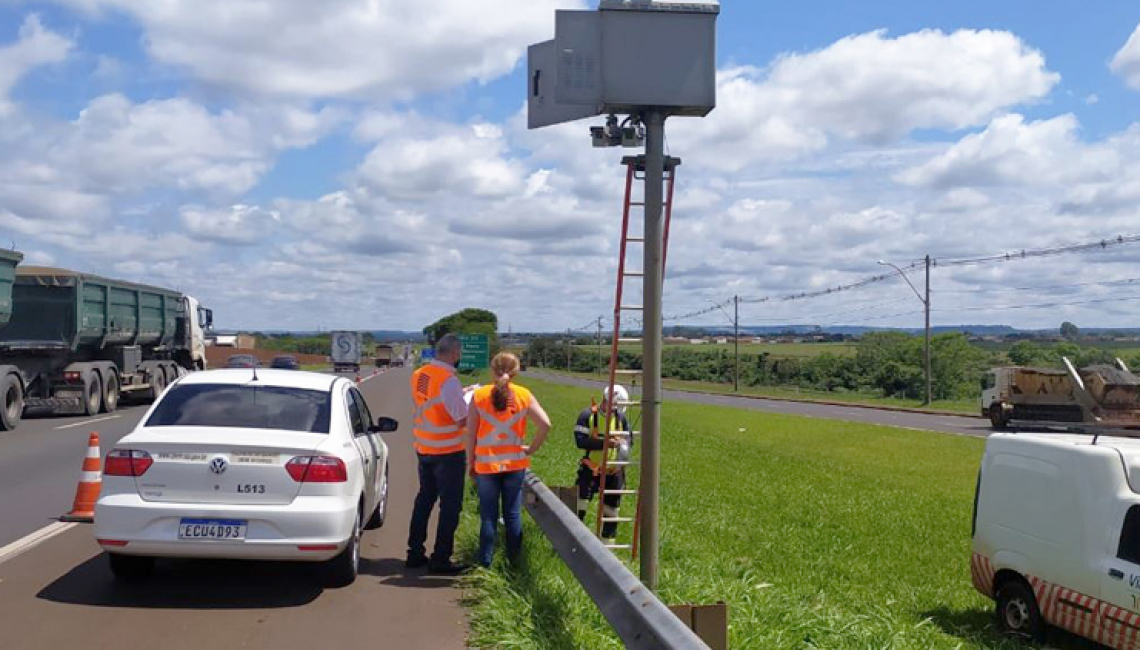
x,y
504,367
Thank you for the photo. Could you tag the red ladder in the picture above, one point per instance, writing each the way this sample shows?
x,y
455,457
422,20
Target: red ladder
x,y
635,170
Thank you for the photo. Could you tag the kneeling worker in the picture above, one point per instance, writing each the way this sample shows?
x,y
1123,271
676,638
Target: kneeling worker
x,y
588,434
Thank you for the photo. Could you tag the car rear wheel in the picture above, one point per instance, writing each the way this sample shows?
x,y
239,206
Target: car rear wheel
x,y
343,569
11,403
381,511
1017,611
130,567
94,399
111,394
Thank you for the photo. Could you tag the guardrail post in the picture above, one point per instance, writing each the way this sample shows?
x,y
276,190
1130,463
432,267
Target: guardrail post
x,y
639,618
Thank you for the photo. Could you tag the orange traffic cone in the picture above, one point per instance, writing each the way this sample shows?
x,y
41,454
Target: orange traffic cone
x,y
90,482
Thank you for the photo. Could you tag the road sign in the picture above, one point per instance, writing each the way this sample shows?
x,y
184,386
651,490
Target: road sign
x,y
427,354
476,351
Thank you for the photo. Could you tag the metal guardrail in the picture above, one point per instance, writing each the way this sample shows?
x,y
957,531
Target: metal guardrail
x,y
641,620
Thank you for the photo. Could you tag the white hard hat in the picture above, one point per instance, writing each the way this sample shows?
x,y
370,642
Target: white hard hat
x,y
620,393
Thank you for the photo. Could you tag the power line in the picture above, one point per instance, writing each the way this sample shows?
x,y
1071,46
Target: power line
x,y
1103,244
1093,301
1043,287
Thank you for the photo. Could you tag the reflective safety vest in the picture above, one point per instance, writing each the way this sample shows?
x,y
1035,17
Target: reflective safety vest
x,y
500,438
434,430
593,458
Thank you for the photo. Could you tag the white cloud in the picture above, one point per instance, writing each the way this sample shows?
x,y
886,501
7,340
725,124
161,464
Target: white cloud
x,y
1011,151
463,160
239,225
34,46
1126,63
339,48
865,88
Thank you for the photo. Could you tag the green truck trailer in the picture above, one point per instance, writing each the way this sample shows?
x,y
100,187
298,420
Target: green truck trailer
x,y
74,343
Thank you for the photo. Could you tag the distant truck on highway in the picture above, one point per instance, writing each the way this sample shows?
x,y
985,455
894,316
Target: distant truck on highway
x,y
384,356
1097,396
74,343
346,354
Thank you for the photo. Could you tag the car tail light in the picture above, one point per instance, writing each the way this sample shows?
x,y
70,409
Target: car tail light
x,y
317,469
127,462
73,376
316,547
112,542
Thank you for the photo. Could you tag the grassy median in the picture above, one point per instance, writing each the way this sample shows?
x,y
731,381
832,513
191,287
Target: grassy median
x,y
819,534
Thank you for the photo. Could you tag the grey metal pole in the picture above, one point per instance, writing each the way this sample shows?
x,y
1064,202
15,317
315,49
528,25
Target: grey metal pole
x,y
600,364
926,304
651,362
736,341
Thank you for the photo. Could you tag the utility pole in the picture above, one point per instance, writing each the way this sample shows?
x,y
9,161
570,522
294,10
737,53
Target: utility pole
x,y
651,354
926,305
925,299
736,342
569,349
599,345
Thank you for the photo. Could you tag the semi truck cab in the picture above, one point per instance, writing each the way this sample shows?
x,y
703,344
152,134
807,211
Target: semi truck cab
x,y
201,321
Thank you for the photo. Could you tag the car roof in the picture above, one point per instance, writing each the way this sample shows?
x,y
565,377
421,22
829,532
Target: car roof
x,y
265,377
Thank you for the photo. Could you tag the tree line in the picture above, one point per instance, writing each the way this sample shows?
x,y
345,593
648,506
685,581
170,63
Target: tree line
x,y
886,363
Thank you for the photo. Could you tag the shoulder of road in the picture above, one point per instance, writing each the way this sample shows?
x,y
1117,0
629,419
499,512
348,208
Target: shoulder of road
x,y
921,419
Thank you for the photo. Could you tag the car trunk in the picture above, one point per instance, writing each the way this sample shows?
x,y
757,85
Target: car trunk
x,y
226,466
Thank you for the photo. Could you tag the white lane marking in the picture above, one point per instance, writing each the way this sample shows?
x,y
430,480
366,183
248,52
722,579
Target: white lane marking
x,y
32,540
79,424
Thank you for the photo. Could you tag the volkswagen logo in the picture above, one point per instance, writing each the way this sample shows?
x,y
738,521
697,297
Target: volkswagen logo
x,y
218,465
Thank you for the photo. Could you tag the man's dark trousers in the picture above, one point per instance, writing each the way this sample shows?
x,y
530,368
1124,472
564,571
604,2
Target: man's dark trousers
x,y
441,477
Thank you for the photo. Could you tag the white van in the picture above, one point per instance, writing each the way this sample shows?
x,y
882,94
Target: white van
x,y
1056,535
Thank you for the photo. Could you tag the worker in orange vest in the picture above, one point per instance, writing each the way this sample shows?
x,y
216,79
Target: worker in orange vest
x,y
438,426
498,455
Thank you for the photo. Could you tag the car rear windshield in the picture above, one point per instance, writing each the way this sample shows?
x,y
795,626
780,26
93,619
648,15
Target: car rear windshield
x,y
247,406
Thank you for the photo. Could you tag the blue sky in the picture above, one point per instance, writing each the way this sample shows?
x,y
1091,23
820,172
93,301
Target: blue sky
x,y
266,161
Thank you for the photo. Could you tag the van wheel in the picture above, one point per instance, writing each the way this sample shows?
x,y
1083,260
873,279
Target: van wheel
x,y
11,402
111,393
94,399
997,417
1017,611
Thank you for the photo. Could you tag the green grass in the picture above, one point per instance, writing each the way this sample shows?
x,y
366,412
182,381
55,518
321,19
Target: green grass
x,y
959,406
818,534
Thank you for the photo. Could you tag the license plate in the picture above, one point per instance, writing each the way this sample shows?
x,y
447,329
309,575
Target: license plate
x,y
224,529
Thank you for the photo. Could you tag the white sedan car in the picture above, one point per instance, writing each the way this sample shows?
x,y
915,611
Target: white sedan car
x,y
247,464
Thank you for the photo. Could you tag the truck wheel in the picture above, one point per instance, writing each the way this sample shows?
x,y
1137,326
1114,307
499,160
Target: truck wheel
x,y
111,393
997,417
94,395
1017,611
157,382
12,406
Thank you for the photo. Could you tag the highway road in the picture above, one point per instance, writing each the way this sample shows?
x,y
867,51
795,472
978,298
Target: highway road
x,y
60,592
955,424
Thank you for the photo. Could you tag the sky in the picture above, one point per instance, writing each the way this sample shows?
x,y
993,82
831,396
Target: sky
x,y
365,164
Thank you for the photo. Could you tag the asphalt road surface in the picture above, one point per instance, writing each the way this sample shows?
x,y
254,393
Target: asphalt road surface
x,y
955,424
61,594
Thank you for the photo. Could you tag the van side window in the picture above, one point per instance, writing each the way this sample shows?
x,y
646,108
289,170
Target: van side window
x,y
1129,549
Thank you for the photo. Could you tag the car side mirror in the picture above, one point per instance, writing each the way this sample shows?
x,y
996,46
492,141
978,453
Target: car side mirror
x,y
385,425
